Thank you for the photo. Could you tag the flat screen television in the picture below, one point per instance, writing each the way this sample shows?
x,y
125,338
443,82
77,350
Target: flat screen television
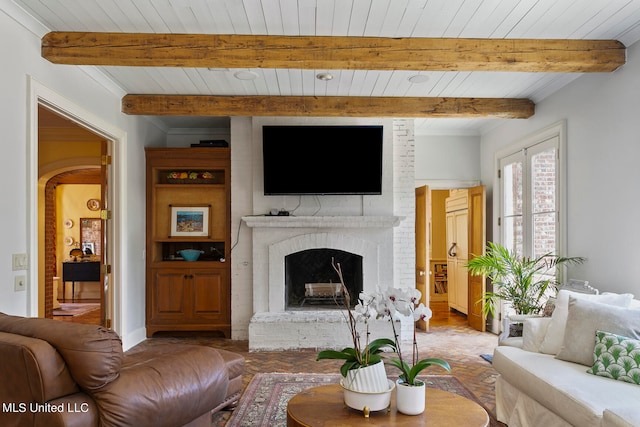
x,y
322,160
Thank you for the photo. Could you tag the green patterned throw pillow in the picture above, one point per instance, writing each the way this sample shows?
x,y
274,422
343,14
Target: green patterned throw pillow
x,y
616,357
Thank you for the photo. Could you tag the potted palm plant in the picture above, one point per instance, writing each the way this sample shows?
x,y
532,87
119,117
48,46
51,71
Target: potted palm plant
x,y
523,282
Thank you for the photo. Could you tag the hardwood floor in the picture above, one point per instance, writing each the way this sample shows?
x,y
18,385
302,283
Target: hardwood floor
x,y
449,338
91,318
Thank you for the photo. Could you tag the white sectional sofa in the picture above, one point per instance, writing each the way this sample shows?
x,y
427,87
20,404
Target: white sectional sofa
x,y
543,378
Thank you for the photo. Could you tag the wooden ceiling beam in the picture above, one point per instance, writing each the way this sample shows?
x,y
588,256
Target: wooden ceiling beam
x,y
326,106
332,53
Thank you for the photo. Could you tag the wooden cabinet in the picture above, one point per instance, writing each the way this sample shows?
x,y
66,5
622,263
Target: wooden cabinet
x,y
192,295
457,250
188,207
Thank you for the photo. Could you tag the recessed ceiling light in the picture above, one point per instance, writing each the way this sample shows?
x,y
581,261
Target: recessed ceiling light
x,y
324,76
245,75
418,78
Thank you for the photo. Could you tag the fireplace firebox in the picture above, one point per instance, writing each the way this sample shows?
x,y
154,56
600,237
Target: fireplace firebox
x,y
311,281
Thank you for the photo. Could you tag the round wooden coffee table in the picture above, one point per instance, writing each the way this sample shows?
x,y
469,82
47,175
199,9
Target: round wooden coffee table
x,y
324,406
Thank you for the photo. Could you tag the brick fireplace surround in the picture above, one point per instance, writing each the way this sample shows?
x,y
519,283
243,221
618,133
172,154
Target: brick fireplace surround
x,y
276,237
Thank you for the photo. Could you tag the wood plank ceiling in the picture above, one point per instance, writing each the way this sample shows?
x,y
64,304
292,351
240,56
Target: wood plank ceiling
x,y
400,46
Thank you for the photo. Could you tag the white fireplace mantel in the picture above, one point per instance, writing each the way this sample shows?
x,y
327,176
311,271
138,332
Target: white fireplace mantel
x,y
276,237
267,221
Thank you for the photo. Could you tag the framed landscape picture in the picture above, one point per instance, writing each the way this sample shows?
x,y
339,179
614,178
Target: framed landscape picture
x,y
189,221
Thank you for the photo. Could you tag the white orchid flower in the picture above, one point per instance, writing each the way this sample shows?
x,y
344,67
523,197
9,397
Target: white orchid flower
x,y
365,298
385,309
414,295
422,313
404,307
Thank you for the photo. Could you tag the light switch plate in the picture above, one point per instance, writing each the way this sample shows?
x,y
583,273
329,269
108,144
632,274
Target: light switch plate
x,y
19,262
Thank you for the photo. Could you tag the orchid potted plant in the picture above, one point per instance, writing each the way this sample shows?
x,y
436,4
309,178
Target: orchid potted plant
x,y
386,305
363,353
407,303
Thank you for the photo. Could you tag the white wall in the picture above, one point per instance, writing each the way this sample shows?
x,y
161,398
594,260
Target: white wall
x,y
241,205
20,46
447,158
603,177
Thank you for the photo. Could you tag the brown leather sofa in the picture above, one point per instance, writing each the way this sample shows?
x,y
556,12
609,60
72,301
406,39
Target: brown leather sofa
x,y
64,374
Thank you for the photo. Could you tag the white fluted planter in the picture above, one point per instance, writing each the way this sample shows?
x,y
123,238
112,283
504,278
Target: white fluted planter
x,y
368,401
410,399
367,389
369,379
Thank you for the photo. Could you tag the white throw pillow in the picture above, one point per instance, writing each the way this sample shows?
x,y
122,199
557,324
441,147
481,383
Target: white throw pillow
x,y
533,333
555,333
585,318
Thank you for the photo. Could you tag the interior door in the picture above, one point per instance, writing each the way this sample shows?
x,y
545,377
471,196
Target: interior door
x,y
476,246
105,266
423,219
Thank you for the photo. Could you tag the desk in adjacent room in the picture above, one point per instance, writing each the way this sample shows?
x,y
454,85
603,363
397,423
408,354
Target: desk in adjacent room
x,y
79,271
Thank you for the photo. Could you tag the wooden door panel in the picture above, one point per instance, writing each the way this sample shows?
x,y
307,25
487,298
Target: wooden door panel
x,y
477,244
210,300
461,229
168,294
462,285
422,248
451,261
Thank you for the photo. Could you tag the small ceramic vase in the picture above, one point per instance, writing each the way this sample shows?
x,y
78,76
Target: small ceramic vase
x,y
410,399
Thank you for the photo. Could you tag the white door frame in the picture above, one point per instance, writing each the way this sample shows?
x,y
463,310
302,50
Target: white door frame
x,y
116,137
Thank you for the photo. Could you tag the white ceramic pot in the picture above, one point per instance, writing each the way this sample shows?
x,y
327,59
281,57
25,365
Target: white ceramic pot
x,y
368,379
410,399
366,402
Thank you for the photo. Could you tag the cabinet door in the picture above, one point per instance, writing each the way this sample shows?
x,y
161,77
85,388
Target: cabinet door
x,y
462,286
451,261
210,295
457,253
461,226
168,297
462,277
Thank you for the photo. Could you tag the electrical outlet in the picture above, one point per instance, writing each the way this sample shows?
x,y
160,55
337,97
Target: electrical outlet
x,y
20,283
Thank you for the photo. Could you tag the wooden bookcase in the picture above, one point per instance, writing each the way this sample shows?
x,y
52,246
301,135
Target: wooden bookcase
x,y
188,206
439,280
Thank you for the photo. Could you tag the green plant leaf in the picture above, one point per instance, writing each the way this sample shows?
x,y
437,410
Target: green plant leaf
x,y
334,354
519,280
378,345
409,374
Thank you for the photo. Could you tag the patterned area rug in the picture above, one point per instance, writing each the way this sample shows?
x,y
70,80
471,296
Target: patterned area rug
x,y
73,309
264,402
487,357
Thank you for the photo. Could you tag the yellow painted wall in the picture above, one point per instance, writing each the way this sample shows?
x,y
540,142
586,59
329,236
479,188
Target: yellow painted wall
x,y
71,204
50,152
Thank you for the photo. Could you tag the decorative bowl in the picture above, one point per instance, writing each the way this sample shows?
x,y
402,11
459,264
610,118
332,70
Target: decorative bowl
x,y
365,402
190,254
